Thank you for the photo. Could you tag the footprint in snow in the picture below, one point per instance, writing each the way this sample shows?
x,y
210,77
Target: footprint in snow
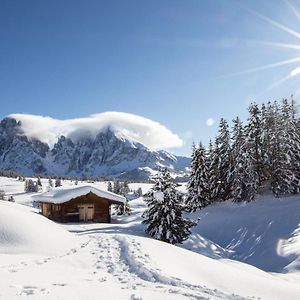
x,y
32,290
59,284
135,297
13,270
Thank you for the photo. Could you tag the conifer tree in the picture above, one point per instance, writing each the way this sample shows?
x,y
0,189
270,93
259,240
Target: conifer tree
x,y
285,149
139,192
198,194
57,182
254,134
164,214
223,160
212,173
126,208
39,183
50,182
109,187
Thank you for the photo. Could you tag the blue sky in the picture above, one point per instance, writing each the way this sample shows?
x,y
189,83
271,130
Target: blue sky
x,y
175,62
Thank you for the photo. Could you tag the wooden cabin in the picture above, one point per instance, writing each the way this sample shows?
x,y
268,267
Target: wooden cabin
x,y
78,204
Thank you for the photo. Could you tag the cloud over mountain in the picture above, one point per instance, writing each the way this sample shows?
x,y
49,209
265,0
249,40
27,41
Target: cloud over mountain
x,y
148,132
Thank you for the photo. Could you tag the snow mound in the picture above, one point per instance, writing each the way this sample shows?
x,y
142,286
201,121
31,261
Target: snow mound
x,y
24,231
264,233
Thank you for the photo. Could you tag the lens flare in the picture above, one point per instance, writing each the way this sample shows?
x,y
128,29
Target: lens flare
x,y
295,72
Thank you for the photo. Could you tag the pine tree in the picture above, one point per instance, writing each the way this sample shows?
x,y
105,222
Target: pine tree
x,y
254,134
126,208
164,214
245,181
125,188
31,186
212,173
198,194
109,187
139,192
57,182
39,183
119,209
237,161
117,187
50,182
222,159
285,149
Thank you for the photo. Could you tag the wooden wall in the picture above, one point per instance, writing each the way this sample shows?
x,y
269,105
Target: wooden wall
x,y
68,211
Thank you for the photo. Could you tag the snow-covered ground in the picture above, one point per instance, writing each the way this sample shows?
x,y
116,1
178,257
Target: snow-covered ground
x,y
41,259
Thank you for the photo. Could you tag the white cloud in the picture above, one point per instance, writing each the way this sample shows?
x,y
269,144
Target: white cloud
x,y
210,122
150,133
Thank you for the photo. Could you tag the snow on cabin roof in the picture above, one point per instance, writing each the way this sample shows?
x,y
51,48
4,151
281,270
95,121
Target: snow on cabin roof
x,y
65,194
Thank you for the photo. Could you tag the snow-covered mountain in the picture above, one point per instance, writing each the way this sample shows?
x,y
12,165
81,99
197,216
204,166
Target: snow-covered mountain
x,y
106,154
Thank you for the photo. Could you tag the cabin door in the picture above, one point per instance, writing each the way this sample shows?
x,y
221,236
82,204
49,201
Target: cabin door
x,y
86,212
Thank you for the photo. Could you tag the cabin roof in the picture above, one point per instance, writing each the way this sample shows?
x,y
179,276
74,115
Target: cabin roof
x,y
64,194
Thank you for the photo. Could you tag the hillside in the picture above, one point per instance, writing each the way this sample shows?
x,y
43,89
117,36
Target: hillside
x,y
119,260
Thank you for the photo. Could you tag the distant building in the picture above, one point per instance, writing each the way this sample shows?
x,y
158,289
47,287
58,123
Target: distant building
x,y
78,204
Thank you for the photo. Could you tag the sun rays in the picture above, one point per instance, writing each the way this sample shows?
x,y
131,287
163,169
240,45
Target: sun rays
x,y
295,70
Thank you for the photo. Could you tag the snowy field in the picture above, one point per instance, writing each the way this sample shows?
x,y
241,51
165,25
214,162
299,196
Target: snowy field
x,y
247,251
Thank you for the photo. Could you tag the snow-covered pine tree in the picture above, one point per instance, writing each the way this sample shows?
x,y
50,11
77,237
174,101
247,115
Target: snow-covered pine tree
x,y
109,187
267,125
192,183
50,182
237,162
125,188
126,208
244,178
212,173
198,194
293,147
285,153
164,214
222,159
119,209
139,192
31,186
39,183
57,182
117,187
254,134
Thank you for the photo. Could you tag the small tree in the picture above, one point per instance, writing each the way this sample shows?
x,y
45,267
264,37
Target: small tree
x,y
123,209
126,208
50,182
57,182
164,214
31,186
125,188
39,183
109,187
117,187
139,192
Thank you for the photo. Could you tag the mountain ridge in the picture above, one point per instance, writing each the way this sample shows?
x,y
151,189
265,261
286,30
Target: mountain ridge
x,y
107,154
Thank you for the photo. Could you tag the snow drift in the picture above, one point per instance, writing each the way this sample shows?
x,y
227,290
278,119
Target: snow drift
x,y
24,231
264,233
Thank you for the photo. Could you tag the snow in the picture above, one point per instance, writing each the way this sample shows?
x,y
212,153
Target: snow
x,y
64,194
24,231
119,261
263,233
